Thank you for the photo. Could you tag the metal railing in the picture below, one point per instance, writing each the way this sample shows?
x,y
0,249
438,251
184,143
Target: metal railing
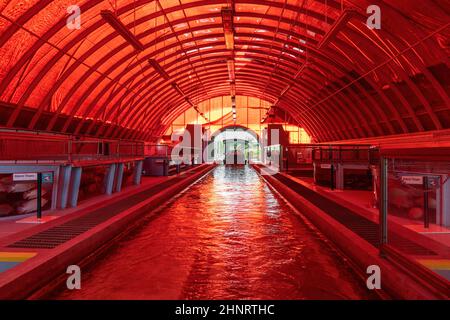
x,y
345,153
151,150
19,147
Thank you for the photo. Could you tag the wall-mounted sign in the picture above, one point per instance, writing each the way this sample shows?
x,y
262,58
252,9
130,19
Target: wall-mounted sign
x,y
415,180
47,177
24,176
325,166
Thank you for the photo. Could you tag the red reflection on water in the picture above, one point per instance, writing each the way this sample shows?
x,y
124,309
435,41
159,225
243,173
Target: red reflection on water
x,y
228,237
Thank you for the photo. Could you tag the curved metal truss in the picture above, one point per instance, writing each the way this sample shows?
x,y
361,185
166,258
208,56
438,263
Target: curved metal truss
x,y
317,59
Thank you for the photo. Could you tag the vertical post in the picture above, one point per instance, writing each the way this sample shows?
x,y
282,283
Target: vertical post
x,y
39,196
287,159
110,178
280,160
165,167
138,172
69,150
225,150
120,167
426,211
332,176
75,186
443,203
384,202
339,176
64,185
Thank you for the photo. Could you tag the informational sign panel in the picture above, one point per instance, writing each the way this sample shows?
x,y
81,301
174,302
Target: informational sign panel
x,y
325,166
24,176
47,177
414,180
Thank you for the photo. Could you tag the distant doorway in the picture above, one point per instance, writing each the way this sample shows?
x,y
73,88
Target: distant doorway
x,y
235,146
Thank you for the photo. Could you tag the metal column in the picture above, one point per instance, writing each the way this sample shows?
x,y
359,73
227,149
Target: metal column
x,y
138,172
339,172
109,183
444,202
384,202
119,179
75,186
64,185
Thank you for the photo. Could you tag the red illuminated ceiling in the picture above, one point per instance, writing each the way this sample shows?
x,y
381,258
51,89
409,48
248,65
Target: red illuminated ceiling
x,y
360,83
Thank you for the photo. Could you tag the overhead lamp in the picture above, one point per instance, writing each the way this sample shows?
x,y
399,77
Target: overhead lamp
x,y
229,40
336,27
190,102
231,70
177,89
285,91
270,113
117,25
228,27
289,87
233,88
155,65
300,71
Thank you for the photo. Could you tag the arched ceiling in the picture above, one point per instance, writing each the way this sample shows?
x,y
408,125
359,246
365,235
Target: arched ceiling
x,y
360,83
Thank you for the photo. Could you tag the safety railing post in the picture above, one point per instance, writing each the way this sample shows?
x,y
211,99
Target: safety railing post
x,y
426,211
332,183
69,151
384,202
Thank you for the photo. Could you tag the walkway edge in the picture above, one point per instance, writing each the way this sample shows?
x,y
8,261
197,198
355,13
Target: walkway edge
x,y
25,279
395,282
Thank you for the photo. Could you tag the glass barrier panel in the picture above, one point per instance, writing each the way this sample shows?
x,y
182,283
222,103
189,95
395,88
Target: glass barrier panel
x,y
419,212
19,197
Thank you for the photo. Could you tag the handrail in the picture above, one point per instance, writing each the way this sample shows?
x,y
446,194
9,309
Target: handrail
x,y
345,153
25,147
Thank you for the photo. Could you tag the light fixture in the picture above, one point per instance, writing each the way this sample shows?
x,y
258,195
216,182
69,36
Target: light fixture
x,y
269,114
190,103
289,86
228,27
117,25
155,65
285,91
233,88
336,27
177,89
231,70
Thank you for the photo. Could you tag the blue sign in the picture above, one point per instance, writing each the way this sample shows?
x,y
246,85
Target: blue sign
x,y
47,177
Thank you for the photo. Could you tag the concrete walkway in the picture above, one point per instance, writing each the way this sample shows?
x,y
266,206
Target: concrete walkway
x,y
15,224
34,255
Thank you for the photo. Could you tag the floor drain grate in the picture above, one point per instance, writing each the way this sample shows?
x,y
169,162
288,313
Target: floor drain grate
x,y
365,228
55,236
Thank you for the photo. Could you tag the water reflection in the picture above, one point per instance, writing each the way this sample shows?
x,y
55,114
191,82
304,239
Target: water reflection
x,y
227,237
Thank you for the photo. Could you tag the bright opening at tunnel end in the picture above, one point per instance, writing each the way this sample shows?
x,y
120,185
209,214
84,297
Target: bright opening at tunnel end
x,y
225,159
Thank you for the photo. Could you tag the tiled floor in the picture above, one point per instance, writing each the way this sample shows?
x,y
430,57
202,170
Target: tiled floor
x,y
9,260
